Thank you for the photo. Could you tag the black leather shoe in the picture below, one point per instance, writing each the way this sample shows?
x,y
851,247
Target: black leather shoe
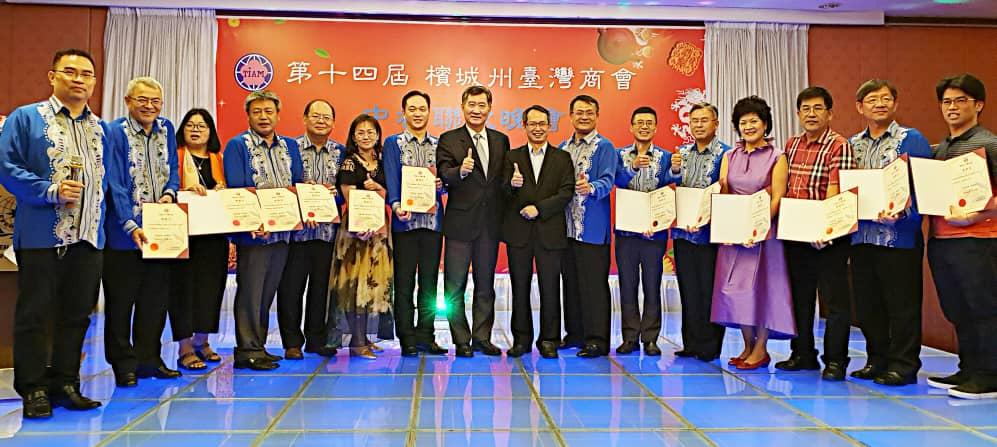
x,y
272,357
410,351
948,382
159,372
486,347
69,397
627,347
37,405
834,371
568,344
431,348
464,350
868,372
798,364
893,378
293,354
591,352
518,351
548,350
652,349
324,351
686,353
256,364
126,380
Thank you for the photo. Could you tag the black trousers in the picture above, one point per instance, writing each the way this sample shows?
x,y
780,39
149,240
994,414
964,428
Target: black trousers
x,y
585,273
132,283
54,299
308,263
458,258
257,277
828,268
417,260
695,265
198,287
548,264
639,262
965,274
888,295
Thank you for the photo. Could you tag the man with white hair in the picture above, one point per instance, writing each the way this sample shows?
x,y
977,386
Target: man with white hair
x,y
144,153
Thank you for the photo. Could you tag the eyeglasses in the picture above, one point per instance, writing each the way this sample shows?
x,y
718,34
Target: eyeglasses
x,y
73,74
536,124
885,100
815,109
197,126
142,100
960,101
643,123
320,118
365,133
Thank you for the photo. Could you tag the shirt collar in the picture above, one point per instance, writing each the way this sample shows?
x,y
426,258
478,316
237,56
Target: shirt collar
x,y
965,135
650,149
744,148
484,132
260,141
588,139
890,130
713,148
59,107
327,145
410,137
543,149
820,140
137,127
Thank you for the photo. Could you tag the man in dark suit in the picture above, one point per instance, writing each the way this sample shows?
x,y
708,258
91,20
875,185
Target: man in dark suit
x,y
539,180
469,161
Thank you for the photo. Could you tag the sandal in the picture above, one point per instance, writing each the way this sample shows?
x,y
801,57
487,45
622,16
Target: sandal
x,y
190,362
205,353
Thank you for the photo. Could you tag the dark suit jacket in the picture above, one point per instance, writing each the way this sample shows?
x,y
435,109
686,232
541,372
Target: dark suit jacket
x,y
474,203
550,195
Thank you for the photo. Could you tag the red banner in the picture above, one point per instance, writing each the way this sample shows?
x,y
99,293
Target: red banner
x,y
366,67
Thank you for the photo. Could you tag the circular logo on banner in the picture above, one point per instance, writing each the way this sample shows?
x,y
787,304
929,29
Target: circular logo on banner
x,y
253,72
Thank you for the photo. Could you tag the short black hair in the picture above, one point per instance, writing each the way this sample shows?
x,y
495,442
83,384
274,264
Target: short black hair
x,y
476,90
214,145
815,92
643,109
308,107
413,93
749,105
586,99
707,106
72,52
872,85
538,108
965,82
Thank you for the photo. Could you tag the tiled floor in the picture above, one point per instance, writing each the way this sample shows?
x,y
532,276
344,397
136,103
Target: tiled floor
x,y
442,401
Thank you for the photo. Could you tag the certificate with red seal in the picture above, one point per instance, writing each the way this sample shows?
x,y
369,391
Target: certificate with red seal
x,y
418,189
962,183
740,219
279,209
819,220
317,203
165,228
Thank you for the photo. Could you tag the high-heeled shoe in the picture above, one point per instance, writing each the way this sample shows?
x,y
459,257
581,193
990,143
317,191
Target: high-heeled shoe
x,y
734,361
363,352
747,366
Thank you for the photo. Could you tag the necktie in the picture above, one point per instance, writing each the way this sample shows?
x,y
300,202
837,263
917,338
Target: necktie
x,y
482,152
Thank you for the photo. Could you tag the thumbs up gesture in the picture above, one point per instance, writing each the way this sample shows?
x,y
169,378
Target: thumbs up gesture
x,y
370,184
517,177
641,161
582,185
467,165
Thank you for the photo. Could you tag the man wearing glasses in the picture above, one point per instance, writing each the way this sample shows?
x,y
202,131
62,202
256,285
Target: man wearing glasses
x,y
53,159
539,182
586,263
145,171
309,256
962,250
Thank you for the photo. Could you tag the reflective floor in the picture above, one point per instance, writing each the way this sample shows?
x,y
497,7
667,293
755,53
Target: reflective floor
x,y
442,401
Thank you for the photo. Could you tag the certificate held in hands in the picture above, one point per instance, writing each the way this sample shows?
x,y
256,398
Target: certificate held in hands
x,y
365,211
819,220
962,182
317,203
279,209
165,228
884,190
418,189
740,219
640,212
233,210
692,205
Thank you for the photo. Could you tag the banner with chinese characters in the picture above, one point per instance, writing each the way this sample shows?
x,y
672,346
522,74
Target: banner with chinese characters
x,y
366,67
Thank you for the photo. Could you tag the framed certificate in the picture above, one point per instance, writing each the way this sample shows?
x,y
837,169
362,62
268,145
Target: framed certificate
x,y
740,219
317,203
365,211
962,182
884,190
640,212
165,227
692,205
418,189
819,220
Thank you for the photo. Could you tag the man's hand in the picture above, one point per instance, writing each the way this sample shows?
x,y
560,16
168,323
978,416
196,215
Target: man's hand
x,y
517,177
529,212
166,199
198,189
403,216
467,165
887,218
582,185
957,219
640,161
138,237
676,163
70,191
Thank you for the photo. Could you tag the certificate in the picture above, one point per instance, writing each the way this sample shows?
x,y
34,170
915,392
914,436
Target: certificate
x,y
241,209
165,227
692,205
884,190
418,189
640,212
317,203
819,220
740,219
365,210
962,182
279,209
